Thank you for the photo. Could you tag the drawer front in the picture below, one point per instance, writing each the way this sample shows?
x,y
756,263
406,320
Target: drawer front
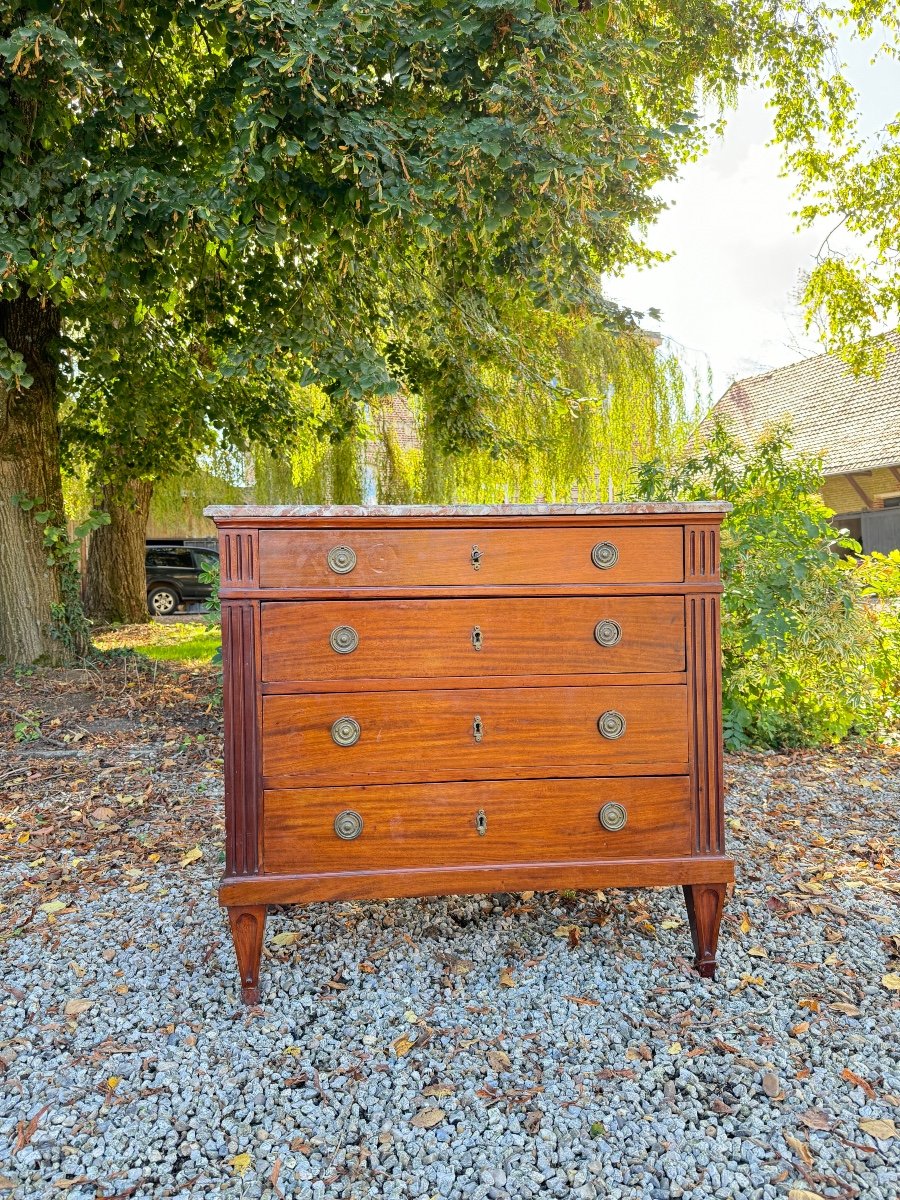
x,y
394,639
364,737
460,824
410,558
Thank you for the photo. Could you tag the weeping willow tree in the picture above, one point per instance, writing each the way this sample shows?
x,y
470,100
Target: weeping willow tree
x,y
593,406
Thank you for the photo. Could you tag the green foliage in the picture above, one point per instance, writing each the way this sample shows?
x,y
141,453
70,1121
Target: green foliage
x,y
69,623
806,658
27,727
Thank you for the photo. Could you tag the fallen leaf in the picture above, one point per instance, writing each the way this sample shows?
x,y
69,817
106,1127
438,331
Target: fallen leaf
x,y
815,1118
772,1086
879,1127
284,939
858,1081
240,1162
74,1008
404,1043
891,981
533,1120
191,857
506,978
25,1130
810,1003
103,814
675,1048
849,1010
799,1147
113,1082
758,952
585,1000
440,1091
499,1060
804,1194
52,906
427,1118
800,1027
669,923
745,923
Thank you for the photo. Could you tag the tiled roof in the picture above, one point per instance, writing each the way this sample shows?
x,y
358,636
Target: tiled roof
x,y
854,421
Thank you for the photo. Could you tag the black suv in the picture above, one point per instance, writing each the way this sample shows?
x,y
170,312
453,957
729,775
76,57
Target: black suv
x,y
173,577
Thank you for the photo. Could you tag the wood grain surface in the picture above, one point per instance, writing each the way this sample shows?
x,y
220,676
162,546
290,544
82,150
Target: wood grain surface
x,y
442,638
396,558
436,824
423,736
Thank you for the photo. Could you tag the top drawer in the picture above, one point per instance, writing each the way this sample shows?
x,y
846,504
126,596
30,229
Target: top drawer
x,y
470,558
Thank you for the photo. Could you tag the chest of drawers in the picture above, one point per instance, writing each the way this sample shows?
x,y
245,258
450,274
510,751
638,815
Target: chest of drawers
x,y
422,701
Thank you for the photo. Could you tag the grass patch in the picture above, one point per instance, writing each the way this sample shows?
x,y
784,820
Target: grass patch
x,y
179,642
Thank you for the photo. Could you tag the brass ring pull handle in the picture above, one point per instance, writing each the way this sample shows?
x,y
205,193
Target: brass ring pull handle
x,y
611,724
344,639
607,633
348,825
345,731
341,560
477,556
477,729
613,817
477,640
604,555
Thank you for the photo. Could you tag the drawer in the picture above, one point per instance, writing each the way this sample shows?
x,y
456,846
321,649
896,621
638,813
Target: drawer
x,y
412,558
395,639
439,825
472,733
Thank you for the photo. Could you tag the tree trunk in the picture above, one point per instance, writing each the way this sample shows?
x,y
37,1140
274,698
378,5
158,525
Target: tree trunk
x,y
30,588
116,582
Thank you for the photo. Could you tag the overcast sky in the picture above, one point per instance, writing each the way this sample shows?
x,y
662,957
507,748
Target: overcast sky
x,y
728,297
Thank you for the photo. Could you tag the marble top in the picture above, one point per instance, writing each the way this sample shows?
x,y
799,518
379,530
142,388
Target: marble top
x,y
275,511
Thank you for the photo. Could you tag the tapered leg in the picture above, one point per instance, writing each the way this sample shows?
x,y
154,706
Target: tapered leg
x,y
248,925
704,908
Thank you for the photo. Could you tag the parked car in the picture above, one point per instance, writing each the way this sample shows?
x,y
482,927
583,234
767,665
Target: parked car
x,y
173,577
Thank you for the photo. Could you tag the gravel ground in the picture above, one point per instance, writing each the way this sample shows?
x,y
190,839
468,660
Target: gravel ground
x,y
485,1047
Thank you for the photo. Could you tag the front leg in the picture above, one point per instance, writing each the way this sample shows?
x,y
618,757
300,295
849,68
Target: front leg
x,y
705,902
248,925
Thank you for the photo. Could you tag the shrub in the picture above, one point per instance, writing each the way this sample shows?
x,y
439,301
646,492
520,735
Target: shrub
x,y
810,641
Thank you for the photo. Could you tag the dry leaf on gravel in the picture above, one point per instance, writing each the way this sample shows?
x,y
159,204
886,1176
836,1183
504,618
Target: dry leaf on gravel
x,y
879,1127
891,981
772,1086
75,1007
804,1194
191,857
499,1060
507,979
858,1081
814,1118
286,939
403,1044
799,1147
428,1118
241,1162
439,1091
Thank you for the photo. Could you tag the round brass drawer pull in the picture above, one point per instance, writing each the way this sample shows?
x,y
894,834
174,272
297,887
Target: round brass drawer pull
x,y
341,559
604,555
607,632
348,825
345,731
613,817
611,724
344,639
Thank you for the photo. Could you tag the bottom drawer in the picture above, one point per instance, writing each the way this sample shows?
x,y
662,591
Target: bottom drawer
x,y
461,824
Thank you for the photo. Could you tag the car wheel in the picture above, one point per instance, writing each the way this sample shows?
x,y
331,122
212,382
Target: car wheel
x,y
162,601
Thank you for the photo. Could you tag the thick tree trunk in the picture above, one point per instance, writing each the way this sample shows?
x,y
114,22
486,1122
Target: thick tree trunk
x,y
29,466
116,582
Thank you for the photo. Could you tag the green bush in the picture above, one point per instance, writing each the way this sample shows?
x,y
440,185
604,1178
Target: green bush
x,y
810,641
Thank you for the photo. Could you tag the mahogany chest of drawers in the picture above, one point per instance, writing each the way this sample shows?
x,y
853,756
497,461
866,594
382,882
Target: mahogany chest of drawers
x,y
422,701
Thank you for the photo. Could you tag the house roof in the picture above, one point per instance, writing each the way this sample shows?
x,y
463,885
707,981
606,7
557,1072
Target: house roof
x,y
854,421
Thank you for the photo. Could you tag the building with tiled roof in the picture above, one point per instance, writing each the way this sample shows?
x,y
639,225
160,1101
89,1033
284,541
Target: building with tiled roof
x,y
852,421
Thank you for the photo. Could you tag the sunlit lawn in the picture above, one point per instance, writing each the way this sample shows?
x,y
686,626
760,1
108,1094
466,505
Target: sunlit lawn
x,y
181,642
